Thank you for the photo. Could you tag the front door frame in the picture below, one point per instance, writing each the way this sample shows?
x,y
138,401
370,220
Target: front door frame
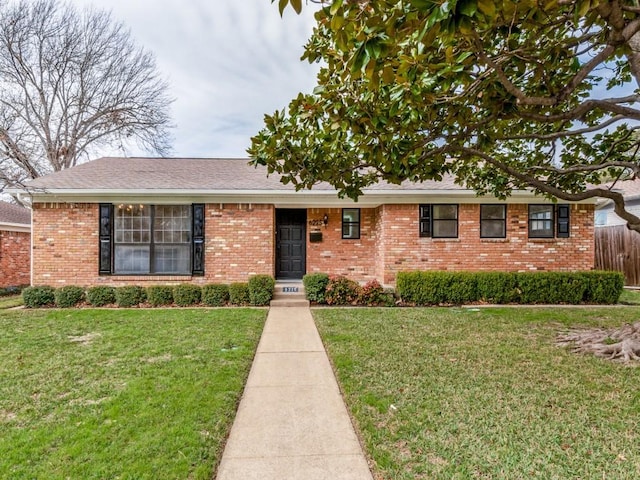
x,y
295,217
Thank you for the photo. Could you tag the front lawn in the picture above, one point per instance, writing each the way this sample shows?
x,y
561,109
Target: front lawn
x,y
10,301
484,393
121,393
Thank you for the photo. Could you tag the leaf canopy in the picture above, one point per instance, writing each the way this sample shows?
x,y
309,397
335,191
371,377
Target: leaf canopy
x,y
505,95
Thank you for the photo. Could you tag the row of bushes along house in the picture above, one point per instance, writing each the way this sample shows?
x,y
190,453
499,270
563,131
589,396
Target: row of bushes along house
x,y
459,288
413,288
258,291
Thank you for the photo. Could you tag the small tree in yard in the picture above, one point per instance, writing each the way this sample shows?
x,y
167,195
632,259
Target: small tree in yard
x,y
71,82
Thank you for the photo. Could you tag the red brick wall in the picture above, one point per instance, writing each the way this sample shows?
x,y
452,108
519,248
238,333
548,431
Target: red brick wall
x,y
15,261
238,244
352,258
403,249
65,244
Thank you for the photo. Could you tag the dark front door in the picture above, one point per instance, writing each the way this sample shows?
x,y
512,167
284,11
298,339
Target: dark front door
x,y
290,243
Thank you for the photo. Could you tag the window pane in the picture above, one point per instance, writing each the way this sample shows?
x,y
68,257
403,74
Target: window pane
x,y
351,230
445,228
442,212
351,223
131,259
351,215
172,224
492,229
132,224
493,221
492,212
167,251
172,259
541,221
540,212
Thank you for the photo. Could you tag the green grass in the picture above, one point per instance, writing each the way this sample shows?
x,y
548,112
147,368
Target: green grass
x,y
630,297
485,393
144,394
10,301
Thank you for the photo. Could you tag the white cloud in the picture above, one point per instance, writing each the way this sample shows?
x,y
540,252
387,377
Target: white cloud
x,y
228,63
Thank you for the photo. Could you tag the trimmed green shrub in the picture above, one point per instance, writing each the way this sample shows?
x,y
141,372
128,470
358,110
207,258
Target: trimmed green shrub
x,y
158,295
69,296
371,294
551,287
437,288
130,296
239,293
315,287
533,287
497,287
603,287
215,295
101,295
261,289
342,291
462,287
187,294
41,296
12,290
433,288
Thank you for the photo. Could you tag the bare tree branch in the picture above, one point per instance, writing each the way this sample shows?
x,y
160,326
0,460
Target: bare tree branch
x,y
71,82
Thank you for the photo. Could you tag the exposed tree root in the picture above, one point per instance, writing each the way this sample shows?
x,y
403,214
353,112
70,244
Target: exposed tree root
x,y
621,344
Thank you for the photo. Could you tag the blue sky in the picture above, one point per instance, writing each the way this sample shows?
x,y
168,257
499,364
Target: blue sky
x,y
228,62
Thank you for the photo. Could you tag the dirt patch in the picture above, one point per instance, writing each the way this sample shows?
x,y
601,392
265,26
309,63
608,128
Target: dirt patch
x,y
6,417
162,358
85,339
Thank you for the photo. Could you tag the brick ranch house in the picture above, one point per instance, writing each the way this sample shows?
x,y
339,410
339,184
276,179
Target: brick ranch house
x,y
15,245
118,221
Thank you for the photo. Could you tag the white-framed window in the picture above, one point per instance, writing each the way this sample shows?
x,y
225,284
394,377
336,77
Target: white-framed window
x,y
152,239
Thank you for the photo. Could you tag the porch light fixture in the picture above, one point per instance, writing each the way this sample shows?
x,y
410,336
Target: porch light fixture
x,y
325,220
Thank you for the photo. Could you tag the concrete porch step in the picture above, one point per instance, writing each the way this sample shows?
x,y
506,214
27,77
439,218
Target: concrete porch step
x,y
289,302
289,294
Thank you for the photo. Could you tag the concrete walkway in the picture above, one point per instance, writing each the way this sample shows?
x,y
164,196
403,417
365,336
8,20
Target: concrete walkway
x,y
292,422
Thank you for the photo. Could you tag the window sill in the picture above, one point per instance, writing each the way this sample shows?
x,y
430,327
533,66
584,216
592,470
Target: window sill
x,y
445,239
494,240
543,240
151,278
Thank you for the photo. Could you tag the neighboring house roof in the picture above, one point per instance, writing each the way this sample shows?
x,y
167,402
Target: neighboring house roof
x,y
14,217
630,189
213,180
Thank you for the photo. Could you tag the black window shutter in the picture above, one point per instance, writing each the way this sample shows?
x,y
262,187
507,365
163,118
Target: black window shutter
x,y
106,229
425,220
197,264
563,221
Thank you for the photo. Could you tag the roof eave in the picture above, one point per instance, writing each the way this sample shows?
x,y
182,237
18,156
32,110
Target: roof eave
x,y
15,227
280,198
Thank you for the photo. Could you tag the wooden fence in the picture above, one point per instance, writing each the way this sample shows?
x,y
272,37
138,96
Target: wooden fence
x,y
618,248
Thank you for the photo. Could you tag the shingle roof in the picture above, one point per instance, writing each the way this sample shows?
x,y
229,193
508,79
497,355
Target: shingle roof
x,y
14,214
198,174
629,188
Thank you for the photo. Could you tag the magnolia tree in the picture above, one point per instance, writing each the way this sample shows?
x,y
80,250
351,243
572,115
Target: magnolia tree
x,y
71,82
538,94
